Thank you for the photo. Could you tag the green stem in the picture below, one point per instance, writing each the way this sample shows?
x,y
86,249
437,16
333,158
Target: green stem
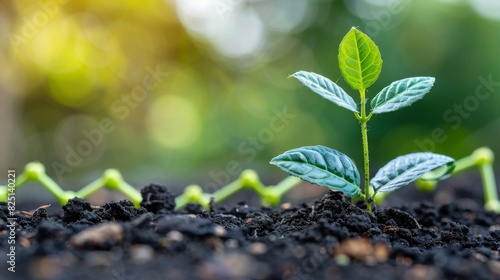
x,y
91,188
61,196
227,191
248,180
131,193
271,196
286,185
35,171
366,161
489,188
192,194
112,179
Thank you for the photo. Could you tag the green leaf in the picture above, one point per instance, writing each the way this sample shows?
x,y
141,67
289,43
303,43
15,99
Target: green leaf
x,y
321,166
400,94
327,89
405,169
359,60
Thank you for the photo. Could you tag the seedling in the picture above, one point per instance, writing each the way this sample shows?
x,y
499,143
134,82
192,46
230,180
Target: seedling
x,y
360,64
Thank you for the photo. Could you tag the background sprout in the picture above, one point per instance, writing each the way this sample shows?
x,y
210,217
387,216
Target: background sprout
x,y
482,158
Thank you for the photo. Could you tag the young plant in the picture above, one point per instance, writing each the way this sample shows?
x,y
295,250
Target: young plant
x,y
360,64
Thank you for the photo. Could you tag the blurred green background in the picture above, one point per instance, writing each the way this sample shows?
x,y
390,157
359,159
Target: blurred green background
x,y
194,91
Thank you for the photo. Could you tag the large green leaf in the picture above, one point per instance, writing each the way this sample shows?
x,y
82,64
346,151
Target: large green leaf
x,y
405,169
327,89
359,60
322,166
400,94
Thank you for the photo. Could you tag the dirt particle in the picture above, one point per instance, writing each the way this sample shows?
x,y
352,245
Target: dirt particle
x,y
174,236
219,231
404,260
23,241
479,257
257,248
156,198
104,259
494,266
77,209
187,225
122,210
422,272
232,243
140,254
397,218
286,206
299,252
103,236
46,268
362,249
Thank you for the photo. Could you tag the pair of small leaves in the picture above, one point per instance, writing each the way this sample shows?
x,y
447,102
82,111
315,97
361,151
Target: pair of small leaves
x,y
330,168
360,63
397,95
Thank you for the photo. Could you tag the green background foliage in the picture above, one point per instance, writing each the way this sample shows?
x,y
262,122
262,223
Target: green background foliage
x,y
220,100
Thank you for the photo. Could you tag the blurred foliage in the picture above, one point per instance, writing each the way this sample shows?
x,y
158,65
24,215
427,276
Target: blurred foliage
x,y
196,91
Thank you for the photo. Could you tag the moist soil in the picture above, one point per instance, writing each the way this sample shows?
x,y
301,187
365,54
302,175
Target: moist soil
x,y
330,238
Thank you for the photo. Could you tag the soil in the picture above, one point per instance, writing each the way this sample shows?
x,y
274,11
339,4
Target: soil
x,y
327,239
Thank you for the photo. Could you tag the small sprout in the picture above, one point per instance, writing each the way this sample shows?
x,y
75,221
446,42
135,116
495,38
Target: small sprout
x,y
360,64
483,156
34,170
112,178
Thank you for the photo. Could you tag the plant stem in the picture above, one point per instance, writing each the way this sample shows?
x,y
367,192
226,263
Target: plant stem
x,y
91,188
490,188
112,179
287,184
227,191
35,171
271,195
366,161
192,194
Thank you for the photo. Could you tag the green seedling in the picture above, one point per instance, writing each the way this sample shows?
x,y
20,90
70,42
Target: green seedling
x,y
360,64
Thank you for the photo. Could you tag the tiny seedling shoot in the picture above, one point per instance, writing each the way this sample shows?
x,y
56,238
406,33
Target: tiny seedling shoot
x,y
360,64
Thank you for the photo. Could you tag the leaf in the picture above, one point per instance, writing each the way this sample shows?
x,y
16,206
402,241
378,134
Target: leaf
x,y
321,166
405,169
327,89
359,60
402,93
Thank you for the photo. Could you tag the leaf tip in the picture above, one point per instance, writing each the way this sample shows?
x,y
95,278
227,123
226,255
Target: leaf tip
x,y
294,75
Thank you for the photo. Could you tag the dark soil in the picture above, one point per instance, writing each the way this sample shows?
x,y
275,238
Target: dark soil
x,y
328,239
